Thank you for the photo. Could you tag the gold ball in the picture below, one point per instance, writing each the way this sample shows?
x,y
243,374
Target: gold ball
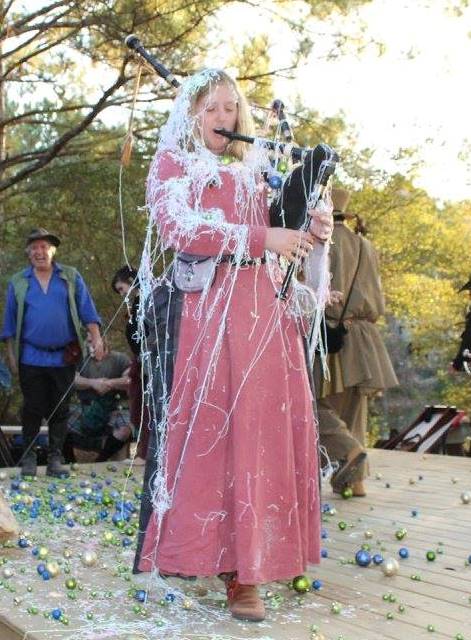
x,y
390,567
368,534
89,558
43,553
187,604
67,553
53,568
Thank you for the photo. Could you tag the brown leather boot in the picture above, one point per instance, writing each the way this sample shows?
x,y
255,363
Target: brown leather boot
x,y
358,489
351,467
244,602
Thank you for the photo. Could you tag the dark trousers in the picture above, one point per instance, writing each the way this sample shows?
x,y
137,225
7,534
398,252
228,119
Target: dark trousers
x,y
46,394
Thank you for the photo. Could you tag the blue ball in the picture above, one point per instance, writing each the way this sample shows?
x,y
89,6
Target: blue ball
x,y
414,513
469,559
324,553
140,595
126,542
35,551
404,552
23,543
324,534
275,181
45,575
41,568
325,507
363,558
170,597
317,584
56,614
70,523
378,558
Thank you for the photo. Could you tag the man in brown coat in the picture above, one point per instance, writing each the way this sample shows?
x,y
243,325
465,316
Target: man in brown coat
x,y
362,367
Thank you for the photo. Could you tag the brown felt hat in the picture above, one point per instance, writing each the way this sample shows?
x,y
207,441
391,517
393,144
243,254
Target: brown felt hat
x,y
466,286
42,234
340,200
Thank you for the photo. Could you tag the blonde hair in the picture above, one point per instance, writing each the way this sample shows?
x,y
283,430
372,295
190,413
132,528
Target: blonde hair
x,y
244,123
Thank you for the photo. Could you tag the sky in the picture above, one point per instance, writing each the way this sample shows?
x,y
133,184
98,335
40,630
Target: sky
x,y
413,95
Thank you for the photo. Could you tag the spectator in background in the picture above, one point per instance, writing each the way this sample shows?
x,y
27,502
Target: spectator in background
x,y
47,305
100,426
465,345
125,282
362,367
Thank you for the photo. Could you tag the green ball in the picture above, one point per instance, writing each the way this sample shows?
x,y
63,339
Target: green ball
x,y
342,525
71,583
401,534
347,492
390,616
301,584
430,627
335,607
430,555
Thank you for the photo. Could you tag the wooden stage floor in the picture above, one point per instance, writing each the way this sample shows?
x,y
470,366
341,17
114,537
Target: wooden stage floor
x,y
426,599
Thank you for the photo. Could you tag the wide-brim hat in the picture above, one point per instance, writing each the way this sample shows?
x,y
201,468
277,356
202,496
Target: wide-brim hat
x,y
466,286
340,200
42,234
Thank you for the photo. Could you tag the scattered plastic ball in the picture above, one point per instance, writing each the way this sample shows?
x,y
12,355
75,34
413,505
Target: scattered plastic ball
x,y
347,492
466,497
56,614
430,628
335,607
89,558
390,567
301,584
71,584
430,555
363,558
342,525
401,534
378,559
403,553
317,584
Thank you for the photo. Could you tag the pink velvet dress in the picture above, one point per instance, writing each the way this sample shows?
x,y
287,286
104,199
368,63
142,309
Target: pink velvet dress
x,y
241,455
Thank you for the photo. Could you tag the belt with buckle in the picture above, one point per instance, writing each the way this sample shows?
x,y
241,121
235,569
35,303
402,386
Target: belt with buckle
x,y
243,262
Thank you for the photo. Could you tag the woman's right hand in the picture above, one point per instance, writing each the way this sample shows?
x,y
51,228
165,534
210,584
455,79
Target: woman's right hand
x,y
290,243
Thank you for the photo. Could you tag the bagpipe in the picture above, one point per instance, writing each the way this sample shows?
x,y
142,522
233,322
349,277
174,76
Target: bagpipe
x,y
301,190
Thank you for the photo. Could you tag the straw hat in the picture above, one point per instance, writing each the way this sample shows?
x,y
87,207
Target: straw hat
x,y
340,200
466,286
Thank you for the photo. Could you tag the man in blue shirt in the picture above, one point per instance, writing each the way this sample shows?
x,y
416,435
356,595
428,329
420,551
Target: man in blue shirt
x,y
47,303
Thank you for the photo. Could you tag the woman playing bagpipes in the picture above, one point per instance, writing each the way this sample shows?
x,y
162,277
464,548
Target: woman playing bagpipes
x,y
233,489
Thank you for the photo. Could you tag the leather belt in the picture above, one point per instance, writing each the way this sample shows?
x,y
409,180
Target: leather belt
x,y
251,262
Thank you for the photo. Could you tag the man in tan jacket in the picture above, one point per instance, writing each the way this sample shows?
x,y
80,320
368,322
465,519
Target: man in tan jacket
x,y
362,367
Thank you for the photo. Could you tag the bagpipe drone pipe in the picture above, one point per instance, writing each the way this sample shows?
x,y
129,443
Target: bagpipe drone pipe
x,y
303,188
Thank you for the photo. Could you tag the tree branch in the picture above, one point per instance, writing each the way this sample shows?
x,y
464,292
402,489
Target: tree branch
x,y
57,147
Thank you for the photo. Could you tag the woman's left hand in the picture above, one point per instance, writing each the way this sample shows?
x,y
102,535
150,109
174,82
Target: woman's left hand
x,y
322,222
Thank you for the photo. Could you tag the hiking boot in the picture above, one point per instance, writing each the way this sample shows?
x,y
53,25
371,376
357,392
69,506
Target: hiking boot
x,y
349,470
358,489
54,466
29,464
243,601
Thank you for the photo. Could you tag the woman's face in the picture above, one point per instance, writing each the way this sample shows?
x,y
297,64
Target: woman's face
x,y
122,288
217,109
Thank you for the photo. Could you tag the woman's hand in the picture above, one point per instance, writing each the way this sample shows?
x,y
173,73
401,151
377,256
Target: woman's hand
x,y
322,221
289,243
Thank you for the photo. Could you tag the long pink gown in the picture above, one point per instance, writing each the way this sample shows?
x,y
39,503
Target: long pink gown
x,y
242,462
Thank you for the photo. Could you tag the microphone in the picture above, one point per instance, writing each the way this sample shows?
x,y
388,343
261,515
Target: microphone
x,y
133,42
277,108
